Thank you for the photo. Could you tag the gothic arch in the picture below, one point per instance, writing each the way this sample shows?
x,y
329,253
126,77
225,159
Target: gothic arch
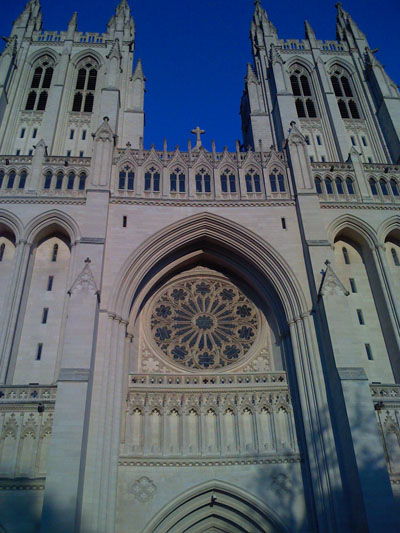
x,y
296,60
356,225
44,223
389,225
216,503
197,231
341,63
87,53
40,53
11,223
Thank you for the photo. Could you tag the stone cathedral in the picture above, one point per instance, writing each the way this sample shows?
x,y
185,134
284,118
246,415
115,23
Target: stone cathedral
x,y
198,341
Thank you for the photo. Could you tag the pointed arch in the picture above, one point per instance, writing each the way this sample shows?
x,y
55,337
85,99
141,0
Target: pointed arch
x,y
46,222
354,224
232,508
389,225
200,232
47,51
10,225
88,53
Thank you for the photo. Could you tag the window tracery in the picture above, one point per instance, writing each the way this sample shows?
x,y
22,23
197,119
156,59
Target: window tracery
x,y
126,178
203,322
253,183
277,180
40,84
177,180
301,87
203,181
344,93
228,181
85,86
152,180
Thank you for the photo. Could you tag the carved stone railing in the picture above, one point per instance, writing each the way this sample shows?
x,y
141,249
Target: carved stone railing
x,y
26,418
213,419
386,400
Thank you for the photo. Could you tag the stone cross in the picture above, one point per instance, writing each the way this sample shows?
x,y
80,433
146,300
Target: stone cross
x,y
197,131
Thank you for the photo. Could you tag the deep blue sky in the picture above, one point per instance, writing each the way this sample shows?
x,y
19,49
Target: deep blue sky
x,y
195,53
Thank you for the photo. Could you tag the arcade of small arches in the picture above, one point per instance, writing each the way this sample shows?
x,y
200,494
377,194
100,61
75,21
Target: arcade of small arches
x,y
203,182
52,180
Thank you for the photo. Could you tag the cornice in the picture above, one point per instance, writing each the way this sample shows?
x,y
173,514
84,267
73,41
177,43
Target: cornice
x,y
200,203
226,461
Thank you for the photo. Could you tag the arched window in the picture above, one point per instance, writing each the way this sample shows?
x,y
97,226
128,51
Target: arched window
x,y
203,181
54,254
1,178
318,185
152,180
47,180
328,185
11,180
59,181
85,86
301,87
126,179
394,187
41,80
82,181
344,93
228,181
71,181
272,180
350,186
372,184
384,187
277,181
2,248
339,186
177,180
346,256
22,180
394,255
253,183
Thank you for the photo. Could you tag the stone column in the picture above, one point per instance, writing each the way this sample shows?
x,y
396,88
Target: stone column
x,y
68,441
13,305
373,476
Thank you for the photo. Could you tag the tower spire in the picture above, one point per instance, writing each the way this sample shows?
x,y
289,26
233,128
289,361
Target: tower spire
x,y
347,29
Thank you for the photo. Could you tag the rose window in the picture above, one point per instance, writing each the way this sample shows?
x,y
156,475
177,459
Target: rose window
x,y
204,323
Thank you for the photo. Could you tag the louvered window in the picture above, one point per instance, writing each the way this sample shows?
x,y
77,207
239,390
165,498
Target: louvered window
x,y
41,79
304,99
342,87
85,87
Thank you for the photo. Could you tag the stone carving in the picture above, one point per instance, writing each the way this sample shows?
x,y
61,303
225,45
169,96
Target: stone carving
x,y
204,323
331,283
143,489
282,484
261,363
85,280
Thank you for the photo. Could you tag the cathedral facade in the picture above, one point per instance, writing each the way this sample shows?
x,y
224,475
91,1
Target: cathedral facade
x,y
198,341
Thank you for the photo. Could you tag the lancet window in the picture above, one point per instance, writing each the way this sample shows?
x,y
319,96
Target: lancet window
x,y
85,86
304,98
253,183
344,93
152,180
228,181
277,181
126,179
177,180
203,181
40,85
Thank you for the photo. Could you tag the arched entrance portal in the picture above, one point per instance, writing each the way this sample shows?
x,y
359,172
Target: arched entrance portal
x,y
215,507
148,471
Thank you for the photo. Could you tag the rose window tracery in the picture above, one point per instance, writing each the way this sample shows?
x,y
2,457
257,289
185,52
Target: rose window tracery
x,y
204,323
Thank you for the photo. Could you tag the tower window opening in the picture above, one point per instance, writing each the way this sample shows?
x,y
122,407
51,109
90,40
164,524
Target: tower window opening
x,y
71,134
346,256
39,350
50,283
283,222
83,135
84,89
55,253
2,248
203,181
124,221
360,317
369,352
152,180
353,285
342,87
34,133
22,180
395,257
301,88
44,315
41,79
22,134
